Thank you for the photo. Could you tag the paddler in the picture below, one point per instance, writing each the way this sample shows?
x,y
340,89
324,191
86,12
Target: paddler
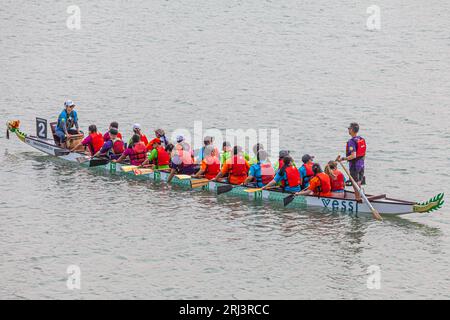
x,y
67,119
94,141
336,177
161,135
288,176
261,173
182,161
113,147
236,168
281,155
256,148
210,164
355,155
319,185
136,152
112,125
226,152
158,157
137,130
306,171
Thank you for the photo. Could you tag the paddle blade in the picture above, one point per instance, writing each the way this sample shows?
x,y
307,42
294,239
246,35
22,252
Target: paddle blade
x,y
198,183
376,215
183,176
288,199
138,172
98,162
60,153
252,190
224,189
128,168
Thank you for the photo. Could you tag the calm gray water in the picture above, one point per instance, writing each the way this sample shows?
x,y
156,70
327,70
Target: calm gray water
x,y
305,67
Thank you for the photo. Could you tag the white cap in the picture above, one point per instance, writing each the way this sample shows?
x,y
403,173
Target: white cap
x,y
69,103
136,126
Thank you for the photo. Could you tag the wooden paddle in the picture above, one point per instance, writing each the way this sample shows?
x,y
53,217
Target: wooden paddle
x,y
253,190
375,213
139,171
198,183
128,168
183,176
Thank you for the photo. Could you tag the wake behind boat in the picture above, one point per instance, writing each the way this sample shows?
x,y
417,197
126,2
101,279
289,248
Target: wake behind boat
x,y
344,203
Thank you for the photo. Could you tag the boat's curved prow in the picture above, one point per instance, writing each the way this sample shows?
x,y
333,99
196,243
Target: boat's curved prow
x,y
433,204
13,126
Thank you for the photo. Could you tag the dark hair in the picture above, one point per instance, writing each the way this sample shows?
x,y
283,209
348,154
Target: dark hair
x,y
170,147
236,150
286,162
354,126
135,139
257,147
113,131
114,124
262,155
226,144
93,128
316,168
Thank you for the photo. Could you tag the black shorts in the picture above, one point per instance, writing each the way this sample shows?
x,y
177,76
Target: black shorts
x,y
357,175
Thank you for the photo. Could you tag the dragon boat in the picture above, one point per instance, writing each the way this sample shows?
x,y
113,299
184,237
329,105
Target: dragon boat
x,y
345,203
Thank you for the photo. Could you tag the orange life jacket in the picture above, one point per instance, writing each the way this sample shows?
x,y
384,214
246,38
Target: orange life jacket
x,y
118,146
238,166
97,142
325,184
212,167
293,177
163,157
338,183
140,153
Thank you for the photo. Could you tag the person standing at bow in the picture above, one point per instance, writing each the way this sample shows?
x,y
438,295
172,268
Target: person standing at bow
x,y
319,185
136,152
288,176
94,141
355,155
67,119
236,168
261,173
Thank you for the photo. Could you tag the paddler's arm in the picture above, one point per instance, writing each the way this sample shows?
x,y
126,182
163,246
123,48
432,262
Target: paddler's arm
x,y
153,155
201,171
306,192
223,172
121,158
270,184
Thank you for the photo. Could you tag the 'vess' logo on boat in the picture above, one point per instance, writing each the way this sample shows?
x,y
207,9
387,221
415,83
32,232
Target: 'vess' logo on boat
x,y
342,205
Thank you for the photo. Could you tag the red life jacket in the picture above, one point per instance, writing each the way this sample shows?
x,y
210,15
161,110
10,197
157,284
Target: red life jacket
x,y
309,170
293,177
238,166
163,157
118,146
280,163
267,173
360,147
140,153
97,142
325,184
338,183
212,167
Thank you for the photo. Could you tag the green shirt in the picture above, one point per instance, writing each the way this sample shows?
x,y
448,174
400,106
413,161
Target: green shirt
x,y
225,156
153,156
